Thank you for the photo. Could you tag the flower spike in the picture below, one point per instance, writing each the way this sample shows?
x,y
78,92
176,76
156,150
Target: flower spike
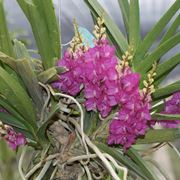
x,y
99,29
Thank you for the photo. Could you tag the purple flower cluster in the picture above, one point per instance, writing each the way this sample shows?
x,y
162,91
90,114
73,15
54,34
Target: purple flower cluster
x,y
172,106
14,139
95,70
105,86
101,78
70,81
7,133
134,113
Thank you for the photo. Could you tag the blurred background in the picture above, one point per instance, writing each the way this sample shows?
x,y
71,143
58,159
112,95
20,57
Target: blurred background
x,y
66,10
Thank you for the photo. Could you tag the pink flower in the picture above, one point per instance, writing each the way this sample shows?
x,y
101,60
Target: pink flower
x,y
70,81
134,114
14,139
104,87
172,106
130,82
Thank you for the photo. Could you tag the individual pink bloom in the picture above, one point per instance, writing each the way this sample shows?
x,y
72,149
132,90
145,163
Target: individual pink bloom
x,y
104,108
92,90
91,104
20,139
130,82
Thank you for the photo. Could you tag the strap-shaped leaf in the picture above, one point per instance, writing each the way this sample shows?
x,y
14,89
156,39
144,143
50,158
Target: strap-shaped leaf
x,y
166,91
133,154
134,24
25,70
165,68
11,120
157,106
42,18
31,82
146,64
154,33
10,109
47,8
111,26
124,5
5,41
160,135
169,117
17,97
171,31
122,159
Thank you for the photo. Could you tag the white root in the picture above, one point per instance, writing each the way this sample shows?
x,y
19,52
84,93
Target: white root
x,y
107,160
20,164
33,170
44,170
117,166
110,158
80,109
97,151
87,172
85,138
53,173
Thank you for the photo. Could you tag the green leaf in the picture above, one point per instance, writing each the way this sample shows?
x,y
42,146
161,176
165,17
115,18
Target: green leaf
x,y
51,23
121,174
122,159
44,25
159,107
50,74
169,117
5,41
10,109
90,122
25,70
159,135
146,64
41,133
47,75
112,28
171,31
30,80
165,68
11,120
17,97
11,62
154,33
166,91
141,163
124,5
20,50
15,119
134,24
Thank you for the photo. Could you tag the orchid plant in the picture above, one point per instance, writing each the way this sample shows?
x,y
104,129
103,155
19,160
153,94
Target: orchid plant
x,y
92,112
